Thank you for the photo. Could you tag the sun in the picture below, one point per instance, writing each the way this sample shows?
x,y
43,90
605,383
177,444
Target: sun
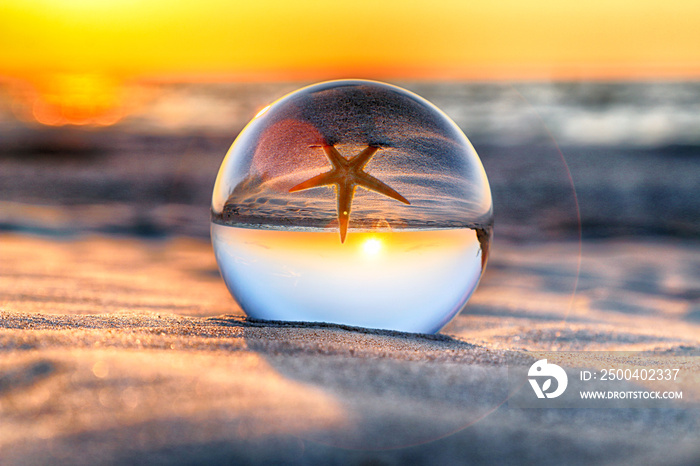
x,y
77,99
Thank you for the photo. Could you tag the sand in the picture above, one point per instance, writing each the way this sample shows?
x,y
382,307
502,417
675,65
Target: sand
x,y
123,351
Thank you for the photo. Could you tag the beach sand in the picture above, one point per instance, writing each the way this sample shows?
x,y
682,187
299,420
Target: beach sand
x,y
125,351
119,343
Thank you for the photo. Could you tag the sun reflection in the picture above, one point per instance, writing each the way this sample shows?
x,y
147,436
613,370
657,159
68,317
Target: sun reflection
x,y
413,281
372,247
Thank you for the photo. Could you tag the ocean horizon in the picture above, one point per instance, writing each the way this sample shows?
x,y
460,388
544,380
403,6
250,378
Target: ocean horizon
x,y
626,152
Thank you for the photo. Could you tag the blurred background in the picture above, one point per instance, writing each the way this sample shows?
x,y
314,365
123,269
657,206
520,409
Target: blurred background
x,y
115,115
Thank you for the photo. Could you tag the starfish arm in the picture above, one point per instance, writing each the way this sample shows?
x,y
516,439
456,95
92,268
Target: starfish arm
x,y
345,195
483,236
369,182
347,175
323,179
360,160
334,156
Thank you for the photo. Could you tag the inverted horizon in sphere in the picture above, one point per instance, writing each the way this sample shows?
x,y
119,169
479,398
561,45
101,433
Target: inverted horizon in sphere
x,y
410,281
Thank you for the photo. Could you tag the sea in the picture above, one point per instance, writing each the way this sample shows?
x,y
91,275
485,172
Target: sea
x,y
564,159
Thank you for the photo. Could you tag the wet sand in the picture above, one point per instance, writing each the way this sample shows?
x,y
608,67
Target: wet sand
x,y
121,350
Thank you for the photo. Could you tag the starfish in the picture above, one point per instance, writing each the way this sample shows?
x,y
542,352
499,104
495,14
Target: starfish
x,y
346,175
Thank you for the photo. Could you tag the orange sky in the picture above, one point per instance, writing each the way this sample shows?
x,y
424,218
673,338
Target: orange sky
x,y
222,39
67,60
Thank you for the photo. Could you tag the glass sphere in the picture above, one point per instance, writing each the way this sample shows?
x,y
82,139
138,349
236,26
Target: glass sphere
x,y
352,202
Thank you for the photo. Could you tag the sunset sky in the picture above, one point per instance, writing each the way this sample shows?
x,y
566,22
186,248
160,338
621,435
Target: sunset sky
x,y
271,39
68,60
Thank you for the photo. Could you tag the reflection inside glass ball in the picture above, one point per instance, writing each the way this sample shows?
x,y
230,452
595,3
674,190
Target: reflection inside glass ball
x,y
356,203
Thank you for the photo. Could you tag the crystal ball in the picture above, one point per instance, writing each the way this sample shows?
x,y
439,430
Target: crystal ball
x,y
352,202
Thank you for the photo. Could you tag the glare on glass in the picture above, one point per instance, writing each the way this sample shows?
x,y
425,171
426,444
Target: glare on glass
x,y
356,203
